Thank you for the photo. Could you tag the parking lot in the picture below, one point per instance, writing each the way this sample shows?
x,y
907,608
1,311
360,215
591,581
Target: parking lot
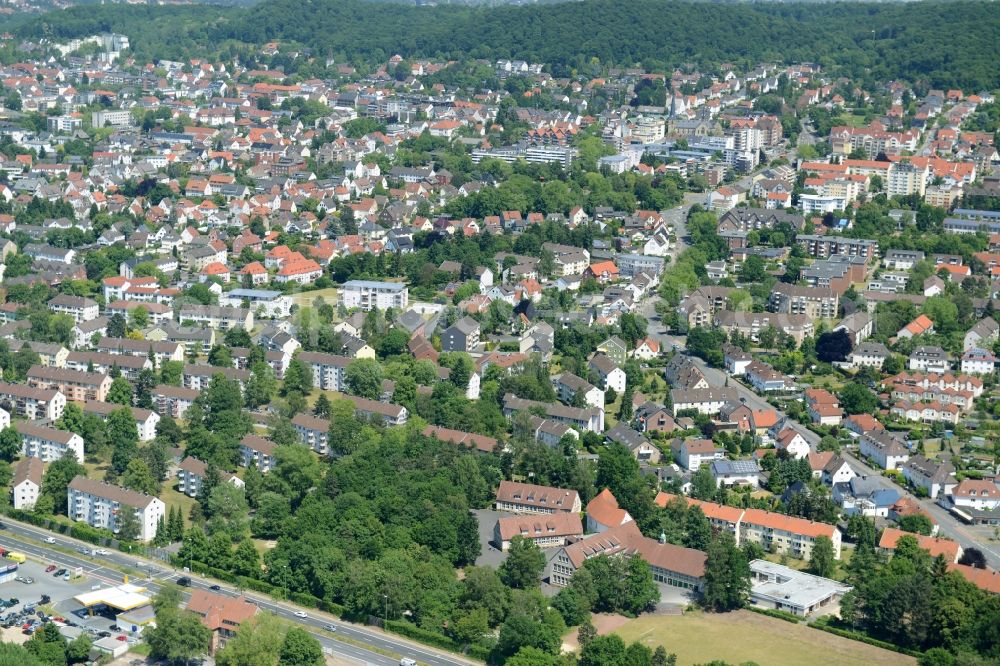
x,y
52,596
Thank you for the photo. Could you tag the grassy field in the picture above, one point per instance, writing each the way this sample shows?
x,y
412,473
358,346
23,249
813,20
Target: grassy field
x,y
306,298
744,636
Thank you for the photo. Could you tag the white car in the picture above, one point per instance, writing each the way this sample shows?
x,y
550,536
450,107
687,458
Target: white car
x,y
102,552
300,614
50,540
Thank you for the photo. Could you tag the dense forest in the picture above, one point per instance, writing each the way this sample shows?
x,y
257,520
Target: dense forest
x,y
942,44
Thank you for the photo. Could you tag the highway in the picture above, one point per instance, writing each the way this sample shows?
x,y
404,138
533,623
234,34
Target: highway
x,y
350,641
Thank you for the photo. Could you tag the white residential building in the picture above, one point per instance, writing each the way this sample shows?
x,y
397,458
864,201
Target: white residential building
x,y
263,302
49,444
369,294
100,504
26,483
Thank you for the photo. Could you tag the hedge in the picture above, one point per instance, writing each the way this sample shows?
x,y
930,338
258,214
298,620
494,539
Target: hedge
x,y
427,636
772,612
824,625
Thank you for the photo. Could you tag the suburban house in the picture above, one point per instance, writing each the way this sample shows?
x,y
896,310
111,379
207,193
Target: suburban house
x,y
934,477
610,376
884,449
518,497
691,454
976,497
635,441
222,614
735,472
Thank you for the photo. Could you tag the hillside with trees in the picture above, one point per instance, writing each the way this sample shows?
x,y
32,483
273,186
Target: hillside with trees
x,y
910,41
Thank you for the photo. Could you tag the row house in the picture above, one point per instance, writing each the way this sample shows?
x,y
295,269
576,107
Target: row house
x,y
159,313
822,247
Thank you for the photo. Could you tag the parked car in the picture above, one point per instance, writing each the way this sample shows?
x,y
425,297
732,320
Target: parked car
x,y
60,572
50,568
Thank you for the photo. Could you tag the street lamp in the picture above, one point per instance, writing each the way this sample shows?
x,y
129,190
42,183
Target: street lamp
x,y
385,610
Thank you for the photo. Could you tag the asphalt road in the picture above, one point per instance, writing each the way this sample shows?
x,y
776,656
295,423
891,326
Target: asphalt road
x,y
27,538
948,525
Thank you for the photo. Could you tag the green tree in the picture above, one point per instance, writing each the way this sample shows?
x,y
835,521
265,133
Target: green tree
x,y
57,477
917,523
364,378
10,444
727,575
524,564
257,642
128,527
179,636
857,399
261,386
120,392
299,648
139,478
822,561
124,433
298,378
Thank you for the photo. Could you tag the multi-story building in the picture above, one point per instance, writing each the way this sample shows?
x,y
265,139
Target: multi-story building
x,y
543,531
173,401
255,450
313,432
568,386
103,363
26,483
159,350
389,414
670,565
822,247
630,265
906,178
145,419
218,317
101,504
814,302
76,386
589,419
530,498
369,295
31,402
79,308
191,475
198,377
773,531
264,302
49,444
328,369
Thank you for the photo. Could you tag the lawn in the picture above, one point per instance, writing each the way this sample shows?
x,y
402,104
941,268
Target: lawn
x,y
306,298
173,497
744,636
